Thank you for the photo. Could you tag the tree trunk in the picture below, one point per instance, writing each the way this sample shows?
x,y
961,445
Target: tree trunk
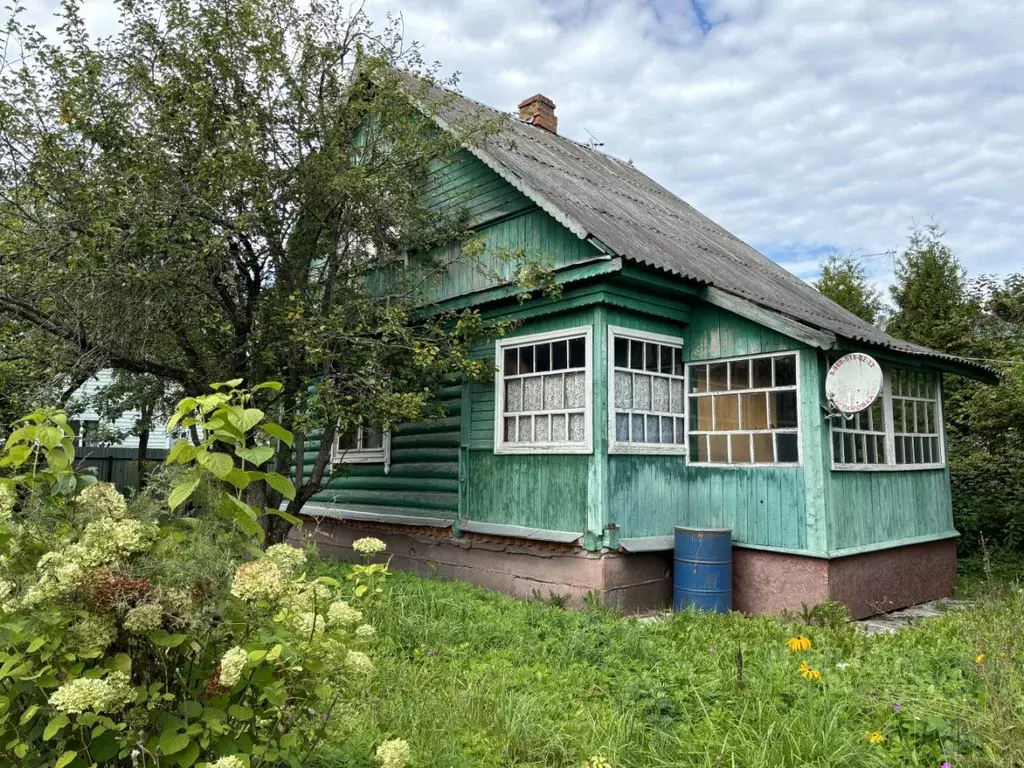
x,y
142,458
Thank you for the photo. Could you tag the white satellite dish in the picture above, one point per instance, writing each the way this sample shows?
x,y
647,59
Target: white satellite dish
x,y
853,382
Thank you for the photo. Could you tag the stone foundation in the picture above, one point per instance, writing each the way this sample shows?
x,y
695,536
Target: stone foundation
x,y
763,581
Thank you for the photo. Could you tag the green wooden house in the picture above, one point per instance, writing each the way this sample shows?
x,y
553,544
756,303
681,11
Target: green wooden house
x,y
677,380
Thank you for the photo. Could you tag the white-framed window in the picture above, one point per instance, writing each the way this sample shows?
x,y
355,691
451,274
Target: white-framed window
x,y
647,386
543,393
901,430
744,410
364,445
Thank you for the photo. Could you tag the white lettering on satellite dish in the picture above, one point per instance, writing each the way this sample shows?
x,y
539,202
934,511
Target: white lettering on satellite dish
x,y
853,382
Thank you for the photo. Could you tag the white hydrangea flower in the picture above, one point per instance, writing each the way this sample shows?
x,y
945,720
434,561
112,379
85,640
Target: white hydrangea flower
x,y
289,559
228,762
231,666
369,546
309,598
93,633
258,580
143,618
393,753
7,500
359,662
341,612
365,631
309,624
110,694
103,500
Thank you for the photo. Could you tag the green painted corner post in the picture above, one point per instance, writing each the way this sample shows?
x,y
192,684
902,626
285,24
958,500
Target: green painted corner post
x,y
816,452
466,414
597,478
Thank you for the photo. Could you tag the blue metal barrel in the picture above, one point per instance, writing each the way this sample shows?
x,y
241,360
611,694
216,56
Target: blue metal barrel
x,y
702,576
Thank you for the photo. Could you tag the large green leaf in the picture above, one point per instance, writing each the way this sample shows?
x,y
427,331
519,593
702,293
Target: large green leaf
x,y
181,492
182,451
218,464
281,484
277,386
278,432
65,759
245,419
172,741
55,725
258,455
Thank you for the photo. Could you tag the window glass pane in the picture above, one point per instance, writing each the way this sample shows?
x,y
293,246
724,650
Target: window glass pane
x,y
621,352
739,374
533,394
762,372
513,395
717,375
666,429
666,365
651,357
525,429
680,431
659,394
653,429
577,432
542,358
783,415
559,355
877,420
526,359
786,445
623,389
727,412
510,429
698,448
622,427
558,430
372,440
541,427
347,441
785,371
641,391
700,414
698,378
575,395
554,392
678,365
755,410
577,353
763,451
900,459
636,355
740,449
676,393
719,445
511,365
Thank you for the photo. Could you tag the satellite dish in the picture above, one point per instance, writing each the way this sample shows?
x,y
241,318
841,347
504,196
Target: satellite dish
x,y
853,382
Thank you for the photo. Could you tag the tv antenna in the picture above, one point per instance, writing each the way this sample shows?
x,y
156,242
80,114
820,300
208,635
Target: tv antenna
x,y
593,143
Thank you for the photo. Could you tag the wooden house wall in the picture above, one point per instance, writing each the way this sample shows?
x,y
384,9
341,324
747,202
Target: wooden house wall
x,y
551,492
650,494
424,476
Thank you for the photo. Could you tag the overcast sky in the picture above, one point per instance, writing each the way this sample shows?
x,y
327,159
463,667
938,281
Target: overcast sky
x,y
802,126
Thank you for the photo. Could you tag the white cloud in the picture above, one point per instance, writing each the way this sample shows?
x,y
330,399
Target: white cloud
x,y
800,125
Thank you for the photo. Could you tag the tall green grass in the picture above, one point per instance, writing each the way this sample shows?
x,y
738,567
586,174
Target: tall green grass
x,y
472,678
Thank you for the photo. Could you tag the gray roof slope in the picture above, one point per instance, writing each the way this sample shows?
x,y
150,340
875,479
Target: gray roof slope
x,y
597,195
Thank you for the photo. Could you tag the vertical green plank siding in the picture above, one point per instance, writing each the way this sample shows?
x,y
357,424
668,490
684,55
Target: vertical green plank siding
x,y
650,494
535,232
550,491
424,476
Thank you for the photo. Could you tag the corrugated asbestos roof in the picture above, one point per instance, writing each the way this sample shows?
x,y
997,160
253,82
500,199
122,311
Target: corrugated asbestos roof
x,y
596,195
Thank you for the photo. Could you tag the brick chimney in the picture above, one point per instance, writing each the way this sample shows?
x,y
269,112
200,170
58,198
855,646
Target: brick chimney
x,y
540,111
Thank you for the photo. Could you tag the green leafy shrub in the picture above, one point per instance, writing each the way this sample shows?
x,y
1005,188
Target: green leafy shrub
x,y
134,634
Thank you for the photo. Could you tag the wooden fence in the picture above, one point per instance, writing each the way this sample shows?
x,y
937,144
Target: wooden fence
x,y
117,465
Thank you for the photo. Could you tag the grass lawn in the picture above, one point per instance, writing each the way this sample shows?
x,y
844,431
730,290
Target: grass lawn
x,y
472,678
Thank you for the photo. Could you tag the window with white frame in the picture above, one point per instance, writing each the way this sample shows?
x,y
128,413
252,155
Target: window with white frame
x,y
542,393
744,410
901,430
363,445
647,382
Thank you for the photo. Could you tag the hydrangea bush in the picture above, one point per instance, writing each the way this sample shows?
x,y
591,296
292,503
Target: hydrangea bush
x,y
131,634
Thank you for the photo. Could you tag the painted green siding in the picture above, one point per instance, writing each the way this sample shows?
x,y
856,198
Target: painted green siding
x,y
424,477
466,185
551,492
648,495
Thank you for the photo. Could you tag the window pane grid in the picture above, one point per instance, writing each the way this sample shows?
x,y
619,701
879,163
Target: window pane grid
x,y
544,397
744,411
647,391
901,428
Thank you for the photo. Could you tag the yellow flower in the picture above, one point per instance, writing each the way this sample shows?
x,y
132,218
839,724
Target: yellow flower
x,y
799,643
808,672
980,658
875,737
